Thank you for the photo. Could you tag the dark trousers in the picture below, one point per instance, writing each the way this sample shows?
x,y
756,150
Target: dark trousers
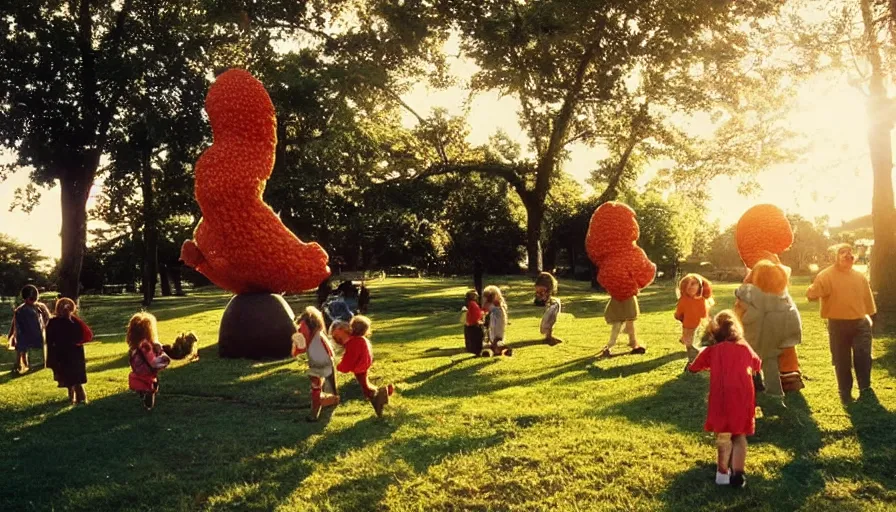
x,y
473,336
850,346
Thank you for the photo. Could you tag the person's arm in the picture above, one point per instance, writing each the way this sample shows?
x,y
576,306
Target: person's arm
x,y
701,362
820,287
86,332
679,314
868,300
157,362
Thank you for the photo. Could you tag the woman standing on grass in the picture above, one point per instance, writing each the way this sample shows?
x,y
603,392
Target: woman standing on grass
x,y
732,399
66,336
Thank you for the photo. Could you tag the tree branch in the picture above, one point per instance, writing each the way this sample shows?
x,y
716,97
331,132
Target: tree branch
x,y
509,172
88,67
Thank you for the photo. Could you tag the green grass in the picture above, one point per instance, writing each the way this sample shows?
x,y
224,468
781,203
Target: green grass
x,y
548,429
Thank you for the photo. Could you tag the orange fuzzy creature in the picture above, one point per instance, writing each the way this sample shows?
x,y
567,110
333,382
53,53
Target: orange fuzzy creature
x,y
763,232
240,243
611,242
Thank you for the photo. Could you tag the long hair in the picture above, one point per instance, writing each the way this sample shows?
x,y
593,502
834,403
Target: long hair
x,y
547,281
313,318
492,295
142,326
725,327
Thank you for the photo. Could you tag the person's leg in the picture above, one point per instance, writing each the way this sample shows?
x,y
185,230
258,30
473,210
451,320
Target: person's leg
x,y
738,461
316,385
149,400
615,329
723,469
772,378
80,394
861,350
841,356
71,394
366,387
636,347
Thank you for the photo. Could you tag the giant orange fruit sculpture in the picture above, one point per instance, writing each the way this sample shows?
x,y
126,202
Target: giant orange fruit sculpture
x,y
763,232
240,243
611,243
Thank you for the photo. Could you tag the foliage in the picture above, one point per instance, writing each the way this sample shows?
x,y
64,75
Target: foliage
x,y
18,266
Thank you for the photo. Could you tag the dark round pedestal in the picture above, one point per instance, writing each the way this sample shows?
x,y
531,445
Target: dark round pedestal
x,y
256,326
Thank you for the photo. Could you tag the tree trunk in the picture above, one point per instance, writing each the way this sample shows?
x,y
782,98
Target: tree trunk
x,y
163,280
150,231
75,185
883,257
534,218
477,275
175,271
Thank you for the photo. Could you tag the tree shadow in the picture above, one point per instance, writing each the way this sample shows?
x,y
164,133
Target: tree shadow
x,y
648,365
875,427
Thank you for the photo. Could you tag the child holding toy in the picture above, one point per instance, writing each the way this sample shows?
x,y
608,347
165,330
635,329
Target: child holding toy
x,y
695,299
66,336
494,303
358,358
473,329
545,289
309,339
146,357
732,399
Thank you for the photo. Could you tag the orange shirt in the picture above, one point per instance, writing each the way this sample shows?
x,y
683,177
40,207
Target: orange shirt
x,y
690,311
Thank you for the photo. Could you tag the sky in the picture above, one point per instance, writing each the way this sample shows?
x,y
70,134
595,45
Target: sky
x,y
833,178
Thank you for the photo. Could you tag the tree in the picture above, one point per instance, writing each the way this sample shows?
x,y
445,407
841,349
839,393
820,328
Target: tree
x,y
589,72
810,245
18,265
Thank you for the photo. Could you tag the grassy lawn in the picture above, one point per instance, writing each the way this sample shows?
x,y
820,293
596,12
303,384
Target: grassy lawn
x,y
548,429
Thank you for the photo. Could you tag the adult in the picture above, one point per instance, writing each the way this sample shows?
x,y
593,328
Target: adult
x,y
28,324
847,304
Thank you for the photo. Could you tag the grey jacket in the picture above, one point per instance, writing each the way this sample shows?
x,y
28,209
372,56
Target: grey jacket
x,y
771,322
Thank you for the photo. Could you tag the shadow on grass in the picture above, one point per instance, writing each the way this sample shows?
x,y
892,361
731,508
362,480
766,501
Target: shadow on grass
x,y
613,372
875,427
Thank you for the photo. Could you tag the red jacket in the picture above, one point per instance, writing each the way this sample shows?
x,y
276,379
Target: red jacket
x,y
358,356
474,313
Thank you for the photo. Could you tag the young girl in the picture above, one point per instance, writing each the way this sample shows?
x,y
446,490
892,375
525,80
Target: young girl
x,y
695,299
66,336
473,333
28,324
146,357
497,321
732,399
545,289
309,339
358,358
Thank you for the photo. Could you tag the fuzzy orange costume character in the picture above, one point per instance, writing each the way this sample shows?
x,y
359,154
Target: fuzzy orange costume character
x,y
763,233
240,244
623,267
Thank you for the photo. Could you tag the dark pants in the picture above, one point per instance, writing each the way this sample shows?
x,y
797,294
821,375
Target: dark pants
x,y
473,336
851,346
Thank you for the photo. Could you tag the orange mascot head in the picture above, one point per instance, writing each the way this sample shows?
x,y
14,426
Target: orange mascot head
x,y
611,243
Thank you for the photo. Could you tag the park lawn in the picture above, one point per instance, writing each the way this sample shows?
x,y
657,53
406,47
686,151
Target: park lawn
x,y
548,429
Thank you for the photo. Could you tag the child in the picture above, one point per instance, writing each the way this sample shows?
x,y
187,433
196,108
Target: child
x,y
545,289
146,357
497,321
358,358
695,299
732,399
619,313
28,324
310,339
66,336
473,333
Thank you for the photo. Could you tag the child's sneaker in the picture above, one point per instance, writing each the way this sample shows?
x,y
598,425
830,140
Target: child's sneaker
x,y
738,480
379,400
605,353
639,350
723,478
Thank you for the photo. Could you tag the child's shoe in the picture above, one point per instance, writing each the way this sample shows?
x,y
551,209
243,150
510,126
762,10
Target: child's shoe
x,y
738,480
605,353
639,350
723,478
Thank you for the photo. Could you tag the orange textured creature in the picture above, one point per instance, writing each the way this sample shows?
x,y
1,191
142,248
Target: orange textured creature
x,y
611,242
763,232
240,244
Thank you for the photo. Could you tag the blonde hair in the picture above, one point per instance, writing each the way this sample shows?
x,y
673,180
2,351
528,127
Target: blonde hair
x,y
360,325
65,307
313,317
492,294
725,327
339,325
142,326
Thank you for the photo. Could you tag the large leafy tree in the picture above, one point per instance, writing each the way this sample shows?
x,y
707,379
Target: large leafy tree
x,y
18,265
590,72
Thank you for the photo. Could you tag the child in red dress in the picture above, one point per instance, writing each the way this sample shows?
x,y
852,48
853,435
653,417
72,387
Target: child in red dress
x,y
732,398
473,328
358,358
